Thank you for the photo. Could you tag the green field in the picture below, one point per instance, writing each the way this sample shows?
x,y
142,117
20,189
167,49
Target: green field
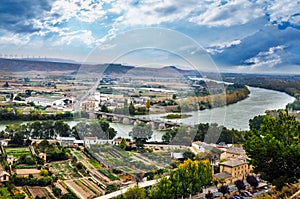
x,y
63,170
17,152
4,193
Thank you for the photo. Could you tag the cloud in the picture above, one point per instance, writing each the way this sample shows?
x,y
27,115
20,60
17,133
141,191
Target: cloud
x,y
17,15
219,48
81,35
284,11
269,58
233,12
155,12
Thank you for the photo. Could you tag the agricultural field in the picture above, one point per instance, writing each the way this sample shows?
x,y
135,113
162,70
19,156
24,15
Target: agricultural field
x,y
39,191
84,188
17,152
130,162
63,170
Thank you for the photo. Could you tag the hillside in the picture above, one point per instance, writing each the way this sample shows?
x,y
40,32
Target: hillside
x,y
15,66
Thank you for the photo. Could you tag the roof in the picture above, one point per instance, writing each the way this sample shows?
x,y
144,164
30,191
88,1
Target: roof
x,y
67,138
236,150
222,175
79,142
2,173
90,138
233,163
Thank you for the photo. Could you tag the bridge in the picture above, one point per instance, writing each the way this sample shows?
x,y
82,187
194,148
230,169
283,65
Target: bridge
x,y
130,120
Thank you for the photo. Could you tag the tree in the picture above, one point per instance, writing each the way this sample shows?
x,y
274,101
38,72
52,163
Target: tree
x,y
104,108
252,180
148,104
163,189
6,85
141,132
224,189
256,122
123,144
274,149
131,109
188,155
240,185
135,193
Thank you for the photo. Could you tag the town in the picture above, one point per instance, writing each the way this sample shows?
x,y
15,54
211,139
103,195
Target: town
x,y
59,139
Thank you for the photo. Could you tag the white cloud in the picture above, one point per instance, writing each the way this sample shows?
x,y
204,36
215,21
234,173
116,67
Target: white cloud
x,y
219,48
83,10
155,12
284,11
234,12
15,39
80,35
267,59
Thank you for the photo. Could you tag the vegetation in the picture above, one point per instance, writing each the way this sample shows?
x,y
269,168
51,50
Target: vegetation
x,y
108,174
188,179
99,129
141,133
210,133
274,149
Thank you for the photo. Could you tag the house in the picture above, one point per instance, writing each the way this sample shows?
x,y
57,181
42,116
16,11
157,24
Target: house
x,y
67,141
4,176
234,152
233,169
43,156
88,141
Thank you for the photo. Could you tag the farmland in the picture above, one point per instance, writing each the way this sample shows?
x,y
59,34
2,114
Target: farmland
x,y
40,192
130,162
84,188
63,170
17,152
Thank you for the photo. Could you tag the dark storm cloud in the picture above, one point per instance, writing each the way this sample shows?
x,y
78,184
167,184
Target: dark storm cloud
x,y
15,15
262,41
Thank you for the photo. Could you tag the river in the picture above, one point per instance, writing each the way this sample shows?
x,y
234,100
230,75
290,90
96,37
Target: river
x,y
237,115
232,116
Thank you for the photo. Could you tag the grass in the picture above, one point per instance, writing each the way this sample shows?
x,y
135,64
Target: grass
x,y
64,170
108,174
4,193
25,167
18,151
95,164
78,154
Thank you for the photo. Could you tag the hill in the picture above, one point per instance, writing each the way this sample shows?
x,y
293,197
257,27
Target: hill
x,y
17,65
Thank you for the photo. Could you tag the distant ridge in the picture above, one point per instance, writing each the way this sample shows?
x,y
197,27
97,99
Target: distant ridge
x,y
18,65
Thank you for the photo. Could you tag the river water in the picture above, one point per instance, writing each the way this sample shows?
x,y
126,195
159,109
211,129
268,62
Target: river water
x,y
232,116
237,115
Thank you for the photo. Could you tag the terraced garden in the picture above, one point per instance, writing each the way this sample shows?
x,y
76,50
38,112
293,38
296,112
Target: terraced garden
x,y
63,170
130,162
17,152
84,188
39,191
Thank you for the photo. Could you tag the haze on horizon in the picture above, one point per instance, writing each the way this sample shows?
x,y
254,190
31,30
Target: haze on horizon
x,y
239,35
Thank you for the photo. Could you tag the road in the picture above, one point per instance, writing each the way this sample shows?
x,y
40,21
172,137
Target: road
x,y
116,193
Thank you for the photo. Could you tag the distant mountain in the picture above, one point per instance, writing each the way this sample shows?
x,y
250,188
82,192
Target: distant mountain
x,y
17,65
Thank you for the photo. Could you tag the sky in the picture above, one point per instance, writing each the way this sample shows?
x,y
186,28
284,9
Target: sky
x,y
254,36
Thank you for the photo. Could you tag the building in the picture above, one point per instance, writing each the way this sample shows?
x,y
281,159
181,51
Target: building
x,y
234,152
232,170
88,141
43,156
4,176
66,141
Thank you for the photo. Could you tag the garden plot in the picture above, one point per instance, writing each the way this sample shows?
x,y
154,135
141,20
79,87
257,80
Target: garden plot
x,y
63,170
17,152
39,191
84,188
130,162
